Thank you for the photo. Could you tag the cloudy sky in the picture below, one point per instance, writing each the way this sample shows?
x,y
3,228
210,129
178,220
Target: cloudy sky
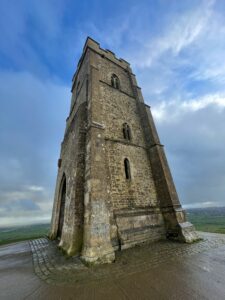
x,y
176,49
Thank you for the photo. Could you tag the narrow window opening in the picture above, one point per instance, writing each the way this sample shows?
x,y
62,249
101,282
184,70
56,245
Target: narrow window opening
x,y
77,90
115,81
127,168
87,90
126,132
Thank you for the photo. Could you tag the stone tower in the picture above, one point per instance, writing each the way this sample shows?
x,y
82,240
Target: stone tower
x,y
114,187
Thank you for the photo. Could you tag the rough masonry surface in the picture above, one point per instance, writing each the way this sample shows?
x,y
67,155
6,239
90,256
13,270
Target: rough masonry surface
x,y
114,188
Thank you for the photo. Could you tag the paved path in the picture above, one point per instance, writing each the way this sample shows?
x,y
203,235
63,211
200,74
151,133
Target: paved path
x,y
164,270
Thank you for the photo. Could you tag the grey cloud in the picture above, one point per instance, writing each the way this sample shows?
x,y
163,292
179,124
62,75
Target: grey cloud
x,y
18,206
32,119
195,144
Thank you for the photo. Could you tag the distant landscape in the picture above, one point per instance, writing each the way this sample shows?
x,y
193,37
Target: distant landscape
x,y
204,219
208,219
22,233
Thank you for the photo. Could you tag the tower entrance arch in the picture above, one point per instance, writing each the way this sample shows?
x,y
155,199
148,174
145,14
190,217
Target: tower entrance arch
x,y
62,196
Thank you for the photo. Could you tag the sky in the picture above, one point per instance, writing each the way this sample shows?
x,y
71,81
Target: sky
x,y
177,51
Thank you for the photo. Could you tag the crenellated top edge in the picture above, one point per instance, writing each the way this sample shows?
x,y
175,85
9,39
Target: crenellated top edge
x,y
91,43
95,46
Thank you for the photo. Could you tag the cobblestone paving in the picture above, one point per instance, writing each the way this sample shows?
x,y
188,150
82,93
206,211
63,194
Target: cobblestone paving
x,y
54,268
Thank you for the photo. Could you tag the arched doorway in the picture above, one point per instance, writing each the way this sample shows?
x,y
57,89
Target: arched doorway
x,y
62,196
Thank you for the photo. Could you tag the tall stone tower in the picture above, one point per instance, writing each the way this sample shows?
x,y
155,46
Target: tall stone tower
x,y
114,187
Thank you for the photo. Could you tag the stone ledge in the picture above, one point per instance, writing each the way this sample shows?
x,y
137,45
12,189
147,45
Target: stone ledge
x,y
137,211
119,90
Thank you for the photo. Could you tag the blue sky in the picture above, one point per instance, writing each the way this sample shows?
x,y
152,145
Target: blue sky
x,y
177,51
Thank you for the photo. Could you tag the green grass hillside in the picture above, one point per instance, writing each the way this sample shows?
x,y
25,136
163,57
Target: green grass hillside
x,y
208,219
16,234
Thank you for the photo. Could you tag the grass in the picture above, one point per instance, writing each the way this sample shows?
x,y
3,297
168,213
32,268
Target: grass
x,y
214,224
16,234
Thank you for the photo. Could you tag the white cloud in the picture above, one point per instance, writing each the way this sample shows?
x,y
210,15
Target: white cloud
x,y
170,111
194,139
19,220
30,144
197,104
25,206
183,32
35,188
202,204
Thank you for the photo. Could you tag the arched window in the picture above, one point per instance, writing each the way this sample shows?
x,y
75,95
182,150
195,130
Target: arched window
x,y
127,168
115,81
126,132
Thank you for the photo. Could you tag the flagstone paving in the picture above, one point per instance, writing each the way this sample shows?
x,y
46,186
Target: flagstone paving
x,y
53,267
165,270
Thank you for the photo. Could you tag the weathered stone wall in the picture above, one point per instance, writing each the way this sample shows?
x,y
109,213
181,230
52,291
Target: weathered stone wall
x,y
73,163
119,109
108,68
140,190
104,210
119,106
97,246
72,166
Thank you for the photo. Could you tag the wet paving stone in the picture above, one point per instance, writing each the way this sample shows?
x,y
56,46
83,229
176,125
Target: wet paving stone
x,y
54,268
